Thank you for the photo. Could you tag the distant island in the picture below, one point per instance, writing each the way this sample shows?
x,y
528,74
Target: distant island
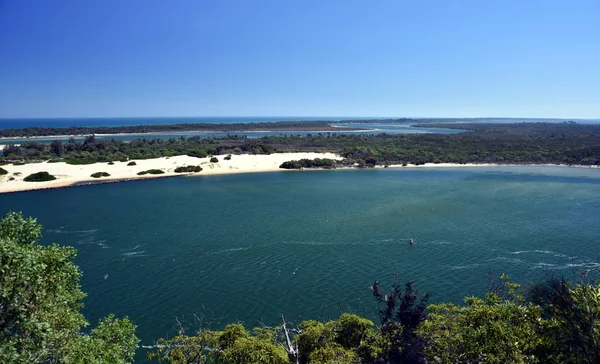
x,y
283,126
566,143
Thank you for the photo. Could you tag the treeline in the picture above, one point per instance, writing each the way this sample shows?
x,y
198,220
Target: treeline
x,y
93,150
524,143
556,321
553,322
79,130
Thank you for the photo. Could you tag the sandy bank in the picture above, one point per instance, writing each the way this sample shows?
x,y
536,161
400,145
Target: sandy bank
x,y
72,174
67,174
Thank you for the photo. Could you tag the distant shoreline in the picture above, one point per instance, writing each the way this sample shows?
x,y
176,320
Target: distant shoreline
x,y
336,130
79,175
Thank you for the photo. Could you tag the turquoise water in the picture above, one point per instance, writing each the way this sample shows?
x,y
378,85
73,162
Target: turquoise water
x,y
308,244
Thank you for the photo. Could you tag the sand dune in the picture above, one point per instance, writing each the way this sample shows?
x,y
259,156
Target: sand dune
x,y
67,174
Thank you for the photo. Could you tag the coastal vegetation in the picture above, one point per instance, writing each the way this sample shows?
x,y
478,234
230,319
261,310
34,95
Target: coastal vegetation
x,y
521,143
188,169
289,126
556,321
39,177
41,301
3,171
132,163
100,174
309,163
151,171
214,160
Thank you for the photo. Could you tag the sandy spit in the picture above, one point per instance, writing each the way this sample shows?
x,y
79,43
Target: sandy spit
x,y
68,175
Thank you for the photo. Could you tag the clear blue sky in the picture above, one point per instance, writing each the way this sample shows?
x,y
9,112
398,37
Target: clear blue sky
x,y
462,58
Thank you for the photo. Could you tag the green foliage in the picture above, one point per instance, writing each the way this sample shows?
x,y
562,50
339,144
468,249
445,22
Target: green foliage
x,y
3,171
100,174
39,177
214,160
111,163
188,169
132,163
309,163
80,161
494,332
572,331
151,171
19,163
232,345
282,126
227,157
559,324
40,302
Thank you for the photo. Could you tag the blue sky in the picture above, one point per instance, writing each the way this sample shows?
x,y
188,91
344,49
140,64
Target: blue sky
x,y
469,58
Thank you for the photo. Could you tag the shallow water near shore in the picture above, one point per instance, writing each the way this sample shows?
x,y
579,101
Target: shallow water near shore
x,y
308,244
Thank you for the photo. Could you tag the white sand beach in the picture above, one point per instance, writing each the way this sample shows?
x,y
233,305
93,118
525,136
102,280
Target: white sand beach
x,y
67,174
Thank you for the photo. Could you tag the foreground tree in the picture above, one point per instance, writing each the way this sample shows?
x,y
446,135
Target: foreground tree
x,y
40,302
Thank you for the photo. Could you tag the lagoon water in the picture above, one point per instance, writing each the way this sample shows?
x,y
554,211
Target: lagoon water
x,y
308,244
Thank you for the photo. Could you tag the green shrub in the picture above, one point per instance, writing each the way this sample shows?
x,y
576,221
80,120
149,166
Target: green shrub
x,y
198,154
11,179
19,163
188,169
100,174
151,171
228,157
214,160
55,160
39,177
132,163
111,163
80,161
309,163
3,171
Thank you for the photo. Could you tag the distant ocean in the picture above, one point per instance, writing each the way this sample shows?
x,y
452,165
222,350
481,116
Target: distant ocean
x,y
9,123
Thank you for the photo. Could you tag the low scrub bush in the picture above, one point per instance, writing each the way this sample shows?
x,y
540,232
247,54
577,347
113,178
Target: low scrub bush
x,y
100,174
188,169
39,177
151,171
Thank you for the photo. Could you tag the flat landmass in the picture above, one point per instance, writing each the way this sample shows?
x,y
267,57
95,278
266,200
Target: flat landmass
x,y
481,144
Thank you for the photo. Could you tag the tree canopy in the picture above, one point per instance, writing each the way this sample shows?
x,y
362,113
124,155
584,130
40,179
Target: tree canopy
x,y
40,303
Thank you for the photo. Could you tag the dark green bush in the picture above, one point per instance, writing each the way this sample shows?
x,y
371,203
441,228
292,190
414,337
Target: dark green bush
x,y
55,160
150,171
3,171
111,163
228,157
100,174
39,177
309,163
214,160
198,154
19,163
81,161
132,163
188,169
